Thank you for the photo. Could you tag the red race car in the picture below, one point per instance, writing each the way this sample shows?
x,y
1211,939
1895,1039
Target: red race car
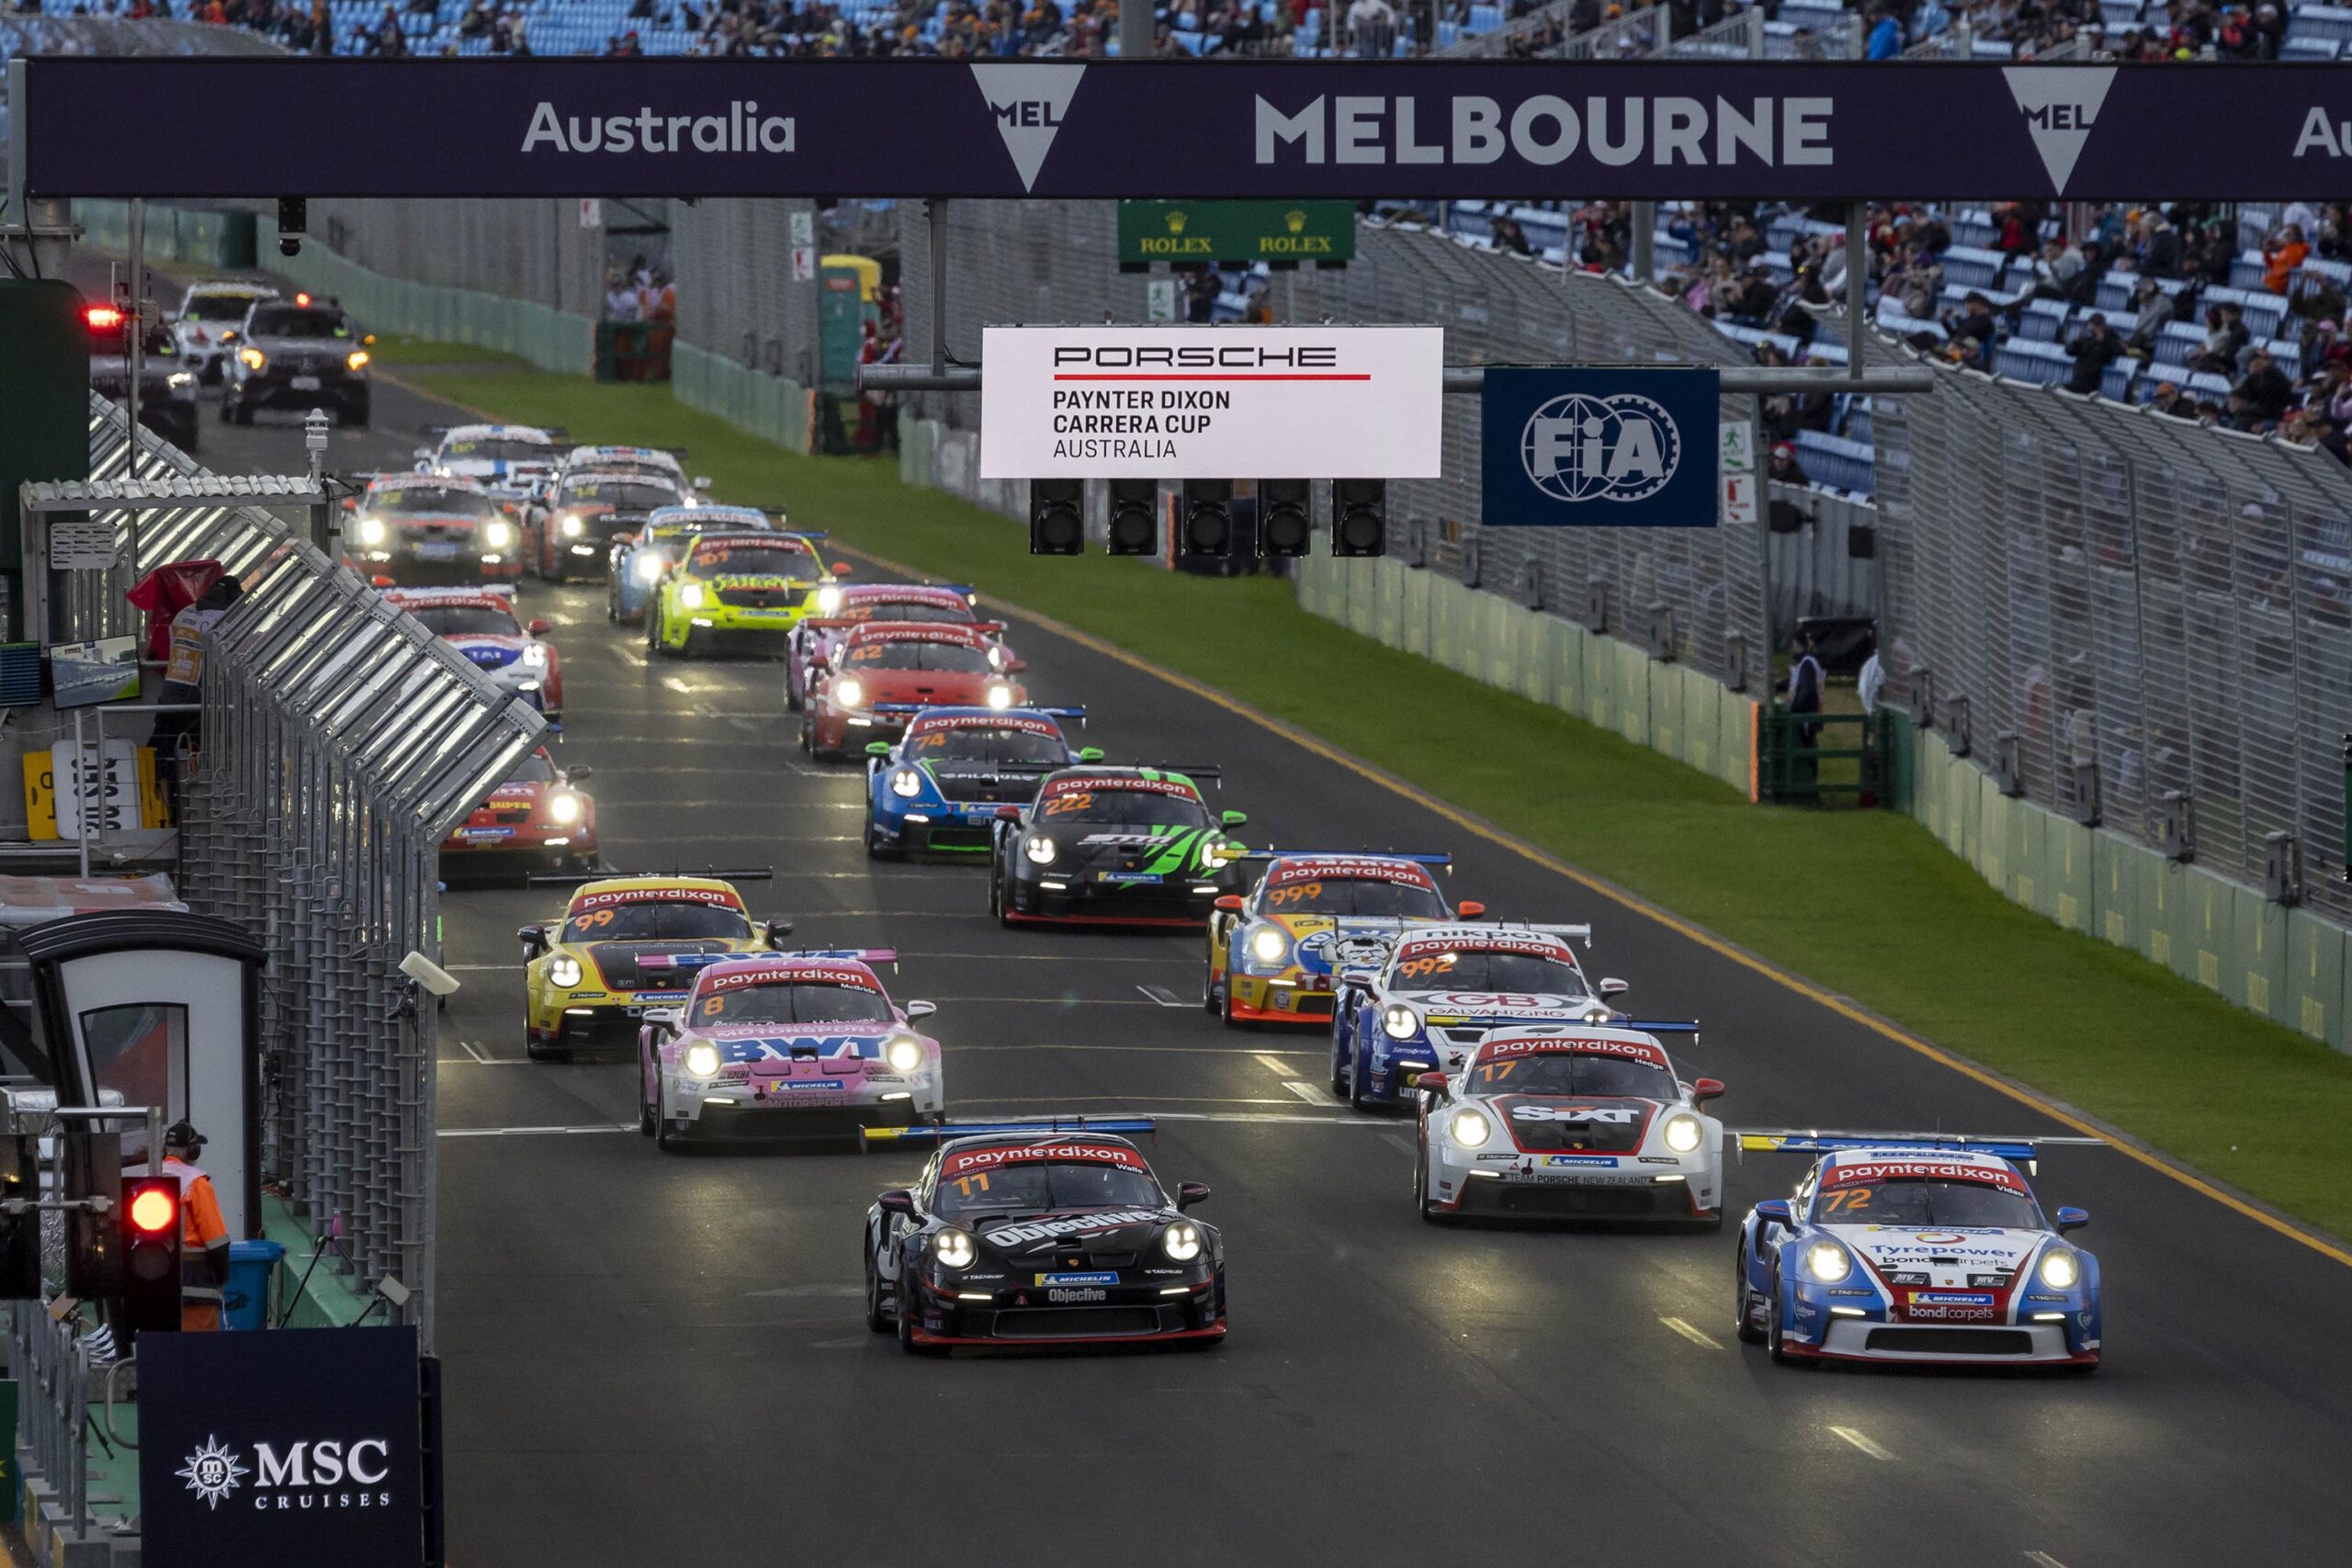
x,y
815,641
887,671
538,819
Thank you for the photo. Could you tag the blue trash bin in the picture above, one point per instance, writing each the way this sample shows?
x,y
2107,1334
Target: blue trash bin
x,y
245,1302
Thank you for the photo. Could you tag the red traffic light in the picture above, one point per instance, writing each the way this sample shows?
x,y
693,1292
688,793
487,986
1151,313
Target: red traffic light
x,y
103,318
154,1211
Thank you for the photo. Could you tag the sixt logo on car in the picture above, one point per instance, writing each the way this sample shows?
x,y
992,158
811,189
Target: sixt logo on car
x,y
1616,1115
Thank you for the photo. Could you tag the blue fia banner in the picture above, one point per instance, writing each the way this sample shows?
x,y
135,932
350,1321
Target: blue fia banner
x,y
1577,448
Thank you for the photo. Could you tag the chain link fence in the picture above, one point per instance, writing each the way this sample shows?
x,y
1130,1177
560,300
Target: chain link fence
x,y
738,296
536,251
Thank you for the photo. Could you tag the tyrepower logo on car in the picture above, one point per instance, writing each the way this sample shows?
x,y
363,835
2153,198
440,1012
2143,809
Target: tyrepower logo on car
x,y
742,129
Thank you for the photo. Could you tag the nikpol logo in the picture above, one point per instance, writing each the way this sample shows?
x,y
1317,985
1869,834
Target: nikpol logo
x,y
742,129
1028,103
1578,447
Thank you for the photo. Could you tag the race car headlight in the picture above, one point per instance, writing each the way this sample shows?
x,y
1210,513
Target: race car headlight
x,y
535,654
2059,1269
829,599
691,597
253,358
904,1056
648,569
1182,1242
1000,696
849,692
371,531
1039,848
564,807
1682,1133
1268,944
572,526
563,971
498,535
955,1249
1399,1021
1470,1128
1827,1261
179,379
702,1060
357,359
905,782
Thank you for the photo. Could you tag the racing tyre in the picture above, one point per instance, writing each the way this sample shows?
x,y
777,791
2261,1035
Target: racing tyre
x,y
877,1318
907,1338
538,1053
224,411
791,683
874,848
1422,1188
1772,1314
998,905
1743,1299
1338,1077
242,414
665,1139
1356,1074
647,1117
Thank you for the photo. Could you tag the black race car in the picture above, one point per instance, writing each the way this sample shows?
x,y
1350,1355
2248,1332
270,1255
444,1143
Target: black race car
x,y
571,534
1115,846
1021,1236
297,354
166,386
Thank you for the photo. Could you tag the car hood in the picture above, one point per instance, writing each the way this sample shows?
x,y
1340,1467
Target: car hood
x,y
1323,944
1107,1237
617,962
514,797
1469,1006
933,688
1121,848
1555,1124
1892,1249
490,652
771,1047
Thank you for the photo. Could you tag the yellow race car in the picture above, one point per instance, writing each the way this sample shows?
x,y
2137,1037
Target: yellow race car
x,y
740,587
1273,954
588,977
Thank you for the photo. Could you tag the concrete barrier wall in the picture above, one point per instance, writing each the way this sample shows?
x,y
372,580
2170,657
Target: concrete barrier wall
x,y
774,408
203,237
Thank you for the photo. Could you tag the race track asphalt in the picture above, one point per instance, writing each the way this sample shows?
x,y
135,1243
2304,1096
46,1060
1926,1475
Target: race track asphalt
x,y
658,1359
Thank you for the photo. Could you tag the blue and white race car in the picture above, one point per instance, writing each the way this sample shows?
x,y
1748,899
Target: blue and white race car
x,y
1437,991
639,560
939,790
509,456
1910,1246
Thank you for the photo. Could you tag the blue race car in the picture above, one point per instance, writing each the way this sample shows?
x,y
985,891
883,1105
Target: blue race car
x,y
939,789
1915,1247
639,561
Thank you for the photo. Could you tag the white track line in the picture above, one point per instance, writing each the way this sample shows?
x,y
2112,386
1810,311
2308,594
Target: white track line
x,y
1163,996
530,1131
1848,1434
1692,1333
1272,1063
1314,1094
2043,1560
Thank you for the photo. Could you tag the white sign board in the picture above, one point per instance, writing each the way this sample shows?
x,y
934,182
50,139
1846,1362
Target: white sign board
x,y
1159,299
1738,470
1739,447
78,544
591,213
803,228
1212,402
804,263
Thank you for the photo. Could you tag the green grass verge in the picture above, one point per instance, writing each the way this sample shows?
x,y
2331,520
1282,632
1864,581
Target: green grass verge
x,y
391,351
1866,902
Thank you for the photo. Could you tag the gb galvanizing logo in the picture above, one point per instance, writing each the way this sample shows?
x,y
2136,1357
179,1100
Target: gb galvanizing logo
x,y
1577,447
306,1475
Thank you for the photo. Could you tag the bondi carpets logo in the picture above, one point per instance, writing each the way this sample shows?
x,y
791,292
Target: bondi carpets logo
x,y
1028,102
2060,104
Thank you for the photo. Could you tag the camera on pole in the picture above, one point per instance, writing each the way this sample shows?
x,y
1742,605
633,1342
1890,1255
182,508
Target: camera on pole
x,y
151,1253
293,221
1057,517
1359,517
1206,527
1135,517
1285,516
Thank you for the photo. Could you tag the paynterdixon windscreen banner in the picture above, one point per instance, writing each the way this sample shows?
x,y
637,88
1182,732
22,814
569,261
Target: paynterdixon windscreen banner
x,y
1572,449
299,1445
1194,130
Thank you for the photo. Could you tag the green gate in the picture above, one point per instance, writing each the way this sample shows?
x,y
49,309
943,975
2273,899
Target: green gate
x,y
1812,759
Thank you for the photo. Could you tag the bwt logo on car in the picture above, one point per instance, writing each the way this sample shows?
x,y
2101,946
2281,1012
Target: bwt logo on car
x,y
740,129
1576,447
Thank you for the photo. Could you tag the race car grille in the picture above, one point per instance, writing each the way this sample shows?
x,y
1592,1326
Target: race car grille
x,y
511,818
1593,1137
995,790
617,962
1073,1323
761,598
1952,1341
1567,1203
437,533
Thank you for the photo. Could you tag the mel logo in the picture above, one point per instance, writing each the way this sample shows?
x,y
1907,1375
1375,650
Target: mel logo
x,y
2060,106
1028,102
1624,447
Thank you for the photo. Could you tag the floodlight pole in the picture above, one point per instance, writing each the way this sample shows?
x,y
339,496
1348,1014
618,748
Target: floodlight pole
x,y
1138,34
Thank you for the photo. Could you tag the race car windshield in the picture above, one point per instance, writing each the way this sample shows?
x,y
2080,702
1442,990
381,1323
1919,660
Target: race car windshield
x,y
466,620
657,920
534,769
1047,1187
216,307
433,499
1358,897
1915,1202
629,495
781,559
990,746
498,449
1573,1072
793,1004
1489,972
294,321
1124,808
920,614
951,658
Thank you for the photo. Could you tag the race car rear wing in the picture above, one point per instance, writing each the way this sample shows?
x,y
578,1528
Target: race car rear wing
x,y
716,873
1034,1126
2001,1147
552,432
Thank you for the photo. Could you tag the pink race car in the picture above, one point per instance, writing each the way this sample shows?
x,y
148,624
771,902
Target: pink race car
x,y
817,641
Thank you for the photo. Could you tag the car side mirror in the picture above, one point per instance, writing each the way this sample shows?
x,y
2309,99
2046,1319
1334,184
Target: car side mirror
x,y
1008,814
539,627
367,340
877,748
1775,1212
896,1203
1190,1192
920,1009
778,929
702,482
1090,753
1234,819
1435,1083
534,939
2072,1219
1706,1089
1470,910
421,453
1359,974
663,1018
584,771
843,569
1015,666
1230,903
1613,987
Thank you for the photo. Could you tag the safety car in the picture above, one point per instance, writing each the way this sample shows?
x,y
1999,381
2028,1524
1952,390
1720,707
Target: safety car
x,y
1913,1247
939,789
297,354
510,456
423,528
166,385
205,326
887,671
639,561
570,532
1568,1123
815,641
1440,990
539,816
784,1045
479,623
739,586
585,980
1017,1235
1115,846
1271,951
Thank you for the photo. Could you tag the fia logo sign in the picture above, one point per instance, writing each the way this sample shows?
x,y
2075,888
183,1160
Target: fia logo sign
x,y
1576,447
1028,103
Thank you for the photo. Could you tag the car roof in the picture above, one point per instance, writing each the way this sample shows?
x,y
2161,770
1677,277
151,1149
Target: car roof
x,y
1912,1154
1037,1140
656,885
232,286
952,632
501,432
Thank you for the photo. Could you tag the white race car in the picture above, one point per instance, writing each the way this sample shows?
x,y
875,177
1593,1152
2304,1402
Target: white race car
x,y
1569,1123
207,321
510,456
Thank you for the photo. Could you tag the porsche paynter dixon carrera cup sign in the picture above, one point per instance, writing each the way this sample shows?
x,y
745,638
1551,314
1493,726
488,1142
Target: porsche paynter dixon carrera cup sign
x,y
1212,402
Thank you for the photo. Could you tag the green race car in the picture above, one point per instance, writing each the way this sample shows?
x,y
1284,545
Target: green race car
x,y
1115,846
740,587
